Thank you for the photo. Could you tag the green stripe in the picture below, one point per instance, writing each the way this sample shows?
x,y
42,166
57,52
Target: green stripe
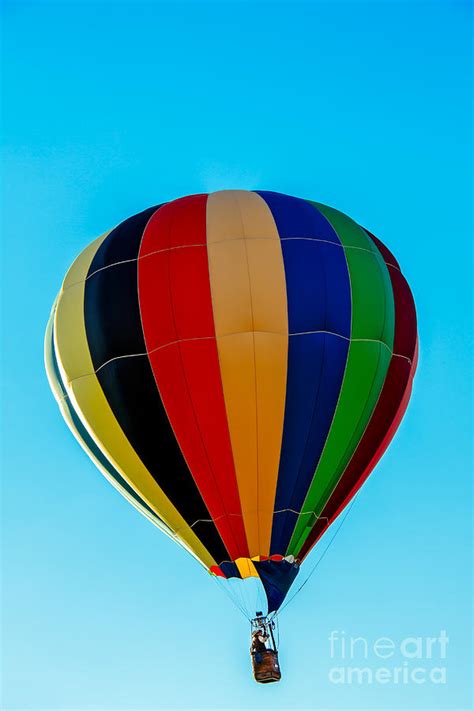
x,y
373,319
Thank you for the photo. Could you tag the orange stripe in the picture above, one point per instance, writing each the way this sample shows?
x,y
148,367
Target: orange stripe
x,y
251,322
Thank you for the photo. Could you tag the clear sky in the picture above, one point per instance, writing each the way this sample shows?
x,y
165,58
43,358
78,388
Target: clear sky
x,y
113,107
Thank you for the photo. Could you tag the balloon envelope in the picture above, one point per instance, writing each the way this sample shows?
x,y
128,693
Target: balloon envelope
x,y
235,364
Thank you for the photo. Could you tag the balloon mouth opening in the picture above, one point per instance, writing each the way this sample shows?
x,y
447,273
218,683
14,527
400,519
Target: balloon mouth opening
x,y
275,573
246,568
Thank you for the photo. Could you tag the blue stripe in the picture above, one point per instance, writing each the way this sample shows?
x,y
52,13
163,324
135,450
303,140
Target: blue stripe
x,y
277,578
319,306
230,570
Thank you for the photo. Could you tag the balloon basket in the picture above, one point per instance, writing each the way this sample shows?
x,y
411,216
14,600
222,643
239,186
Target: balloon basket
x,y
266,668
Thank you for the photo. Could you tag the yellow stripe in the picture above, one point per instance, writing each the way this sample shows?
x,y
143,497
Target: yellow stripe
x,y
48,358
90,404
77,272
64,409
246,568
250,313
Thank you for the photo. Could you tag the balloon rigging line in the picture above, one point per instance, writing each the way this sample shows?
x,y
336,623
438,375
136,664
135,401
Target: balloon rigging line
x,y
322,555
240,594
231,598
238,598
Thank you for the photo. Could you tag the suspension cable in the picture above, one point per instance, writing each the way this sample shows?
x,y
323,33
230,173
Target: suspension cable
x,y
231,598
243,602
322,555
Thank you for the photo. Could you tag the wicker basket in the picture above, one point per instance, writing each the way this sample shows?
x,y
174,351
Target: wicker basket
x,y
265,666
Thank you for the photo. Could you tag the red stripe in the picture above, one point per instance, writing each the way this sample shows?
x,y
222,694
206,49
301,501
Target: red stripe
x,y
387,414
387,255
217,571
175,304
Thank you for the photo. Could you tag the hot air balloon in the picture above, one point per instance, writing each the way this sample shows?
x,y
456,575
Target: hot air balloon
x,y
236,364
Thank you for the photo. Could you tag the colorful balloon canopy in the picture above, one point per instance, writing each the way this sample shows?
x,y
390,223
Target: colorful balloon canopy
x,y
236,364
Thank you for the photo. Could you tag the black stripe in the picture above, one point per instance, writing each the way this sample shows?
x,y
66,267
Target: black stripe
x,y
123,242
89,442
112,316
113,327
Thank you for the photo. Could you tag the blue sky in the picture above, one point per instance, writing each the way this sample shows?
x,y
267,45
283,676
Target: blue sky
x,y
112,107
